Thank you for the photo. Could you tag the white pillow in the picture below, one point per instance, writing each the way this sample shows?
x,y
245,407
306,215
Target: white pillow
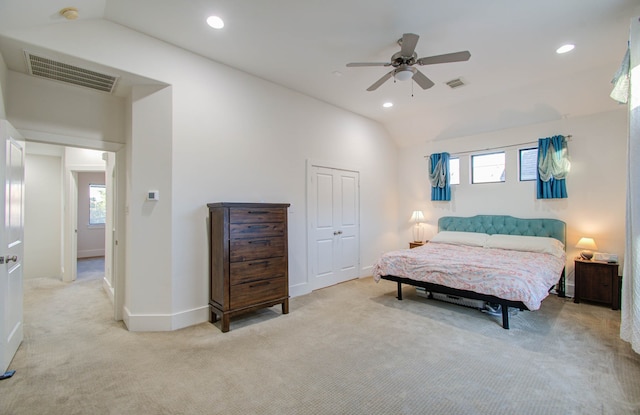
x,y
539,244
460,238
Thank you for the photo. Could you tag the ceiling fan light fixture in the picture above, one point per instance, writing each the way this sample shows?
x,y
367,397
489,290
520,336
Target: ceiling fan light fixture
x,y
404,74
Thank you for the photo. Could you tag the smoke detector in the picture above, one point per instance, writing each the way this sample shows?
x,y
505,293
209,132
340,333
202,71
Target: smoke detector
x,y
69,13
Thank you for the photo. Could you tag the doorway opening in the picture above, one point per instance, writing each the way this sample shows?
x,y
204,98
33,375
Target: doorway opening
x,y
91,225
75,224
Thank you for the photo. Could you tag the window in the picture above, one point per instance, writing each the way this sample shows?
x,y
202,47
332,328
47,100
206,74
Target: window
x,y
97,204
487,168
454,171
528,164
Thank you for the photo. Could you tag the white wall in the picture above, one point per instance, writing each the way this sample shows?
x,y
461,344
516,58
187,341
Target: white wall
x,y
149,258
43,215
233,137
39,105
91,238
3,87
595,186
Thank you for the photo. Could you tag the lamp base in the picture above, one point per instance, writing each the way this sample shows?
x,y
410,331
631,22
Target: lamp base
x,y
587,255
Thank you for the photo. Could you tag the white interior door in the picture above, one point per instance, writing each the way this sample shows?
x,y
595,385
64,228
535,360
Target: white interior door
x,y
333,220
11,243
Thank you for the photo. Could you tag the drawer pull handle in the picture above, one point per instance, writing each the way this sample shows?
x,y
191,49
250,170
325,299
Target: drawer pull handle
x,y
259,284
258,226
257,212
258,263
259,242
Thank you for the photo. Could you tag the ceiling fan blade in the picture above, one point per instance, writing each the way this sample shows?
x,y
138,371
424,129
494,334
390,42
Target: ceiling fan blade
x,y
408,46
380,81
355,64
447,57
422,80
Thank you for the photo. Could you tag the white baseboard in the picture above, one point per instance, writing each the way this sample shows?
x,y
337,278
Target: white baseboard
x,y
299,289
176,321
366,271
165,322
106,286
569,290
90,253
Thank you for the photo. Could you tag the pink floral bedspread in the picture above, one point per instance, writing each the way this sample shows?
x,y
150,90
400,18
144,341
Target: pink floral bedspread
x,y
510,275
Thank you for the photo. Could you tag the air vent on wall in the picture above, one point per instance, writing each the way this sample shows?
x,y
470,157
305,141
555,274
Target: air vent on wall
x,y
455,83
58,71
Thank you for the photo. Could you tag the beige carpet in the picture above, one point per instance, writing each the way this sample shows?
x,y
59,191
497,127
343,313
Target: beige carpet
x,y
348,349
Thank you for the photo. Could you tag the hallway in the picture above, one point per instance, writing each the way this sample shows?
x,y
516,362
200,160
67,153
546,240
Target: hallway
x,y
90,268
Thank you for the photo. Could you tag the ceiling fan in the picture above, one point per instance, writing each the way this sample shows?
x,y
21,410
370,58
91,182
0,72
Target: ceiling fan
x,y
404,60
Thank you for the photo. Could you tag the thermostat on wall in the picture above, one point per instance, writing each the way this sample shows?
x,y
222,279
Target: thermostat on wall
x,y
153,195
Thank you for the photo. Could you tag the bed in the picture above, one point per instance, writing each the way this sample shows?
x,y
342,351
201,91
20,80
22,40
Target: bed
x,y
496,259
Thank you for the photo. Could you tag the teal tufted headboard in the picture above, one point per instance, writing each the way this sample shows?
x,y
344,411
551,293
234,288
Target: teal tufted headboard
x,y
507,225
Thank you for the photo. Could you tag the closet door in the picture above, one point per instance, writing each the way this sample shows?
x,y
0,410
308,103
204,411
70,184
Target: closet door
x,y
333,222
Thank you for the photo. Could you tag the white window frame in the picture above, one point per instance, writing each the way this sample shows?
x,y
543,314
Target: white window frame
x,y
502,177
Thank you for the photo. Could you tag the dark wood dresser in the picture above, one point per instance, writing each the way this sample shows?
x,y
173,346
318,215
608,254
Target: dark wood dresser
x,y
248,258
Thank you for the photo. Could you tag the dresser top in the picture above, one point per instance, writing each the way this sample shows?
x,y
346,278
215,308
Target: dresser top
x,y
248,205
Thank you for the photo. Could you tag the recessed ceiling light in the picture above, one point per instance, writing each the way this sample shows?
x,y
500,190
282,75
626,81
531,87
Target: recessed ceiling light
x,y
388,104
215,22
565,48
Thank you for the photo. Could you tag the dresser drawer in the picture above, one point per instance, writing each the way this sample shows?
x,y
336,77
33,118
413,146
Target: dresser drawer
x,y
254,215
262,269
251,249
258,291
255,230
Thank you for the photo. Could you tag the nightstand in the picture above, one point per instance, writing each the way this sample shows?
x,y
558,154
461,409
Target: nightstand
x,y
415,244
597,281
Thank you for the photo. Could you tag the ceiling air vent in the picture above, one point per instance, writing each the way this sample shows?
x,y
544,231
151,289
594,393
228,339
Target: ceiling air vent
x,y
58,71
455,83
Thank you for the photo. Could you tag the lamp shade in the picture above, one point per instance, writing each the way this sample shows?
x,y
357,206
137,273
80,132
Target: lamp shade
x,y
417,216
587,245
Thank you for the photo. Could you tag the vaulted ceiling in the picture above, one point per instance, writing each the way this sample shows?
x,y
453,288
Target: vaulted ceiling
x,y
514,76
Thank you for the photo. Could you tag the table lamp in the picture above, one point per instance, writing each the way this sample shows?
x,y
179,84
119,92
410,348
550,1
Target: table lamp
x,y
588,245
417,217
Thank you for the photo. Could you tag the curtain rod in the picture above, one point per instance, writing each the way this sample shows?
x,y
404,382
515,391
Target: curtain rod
x,y
568,137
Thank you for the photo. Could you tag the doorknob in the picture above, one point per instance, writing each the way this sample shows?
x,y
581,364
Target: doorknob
x,y
8,259
337,232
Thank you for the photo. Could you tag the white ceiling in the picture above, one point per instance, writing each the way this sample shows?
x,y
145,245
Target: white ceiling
x,y
514,76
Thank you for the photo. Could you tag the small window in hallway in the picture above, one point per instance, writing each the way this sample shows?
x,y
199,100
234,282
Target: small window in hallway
x,y
97,204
